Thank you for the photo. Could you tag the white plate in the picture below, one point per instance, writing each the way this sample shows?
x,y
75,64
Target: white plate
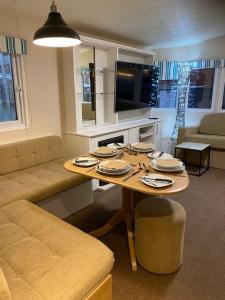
x,y
156,184
177,169
163,156
119,146
142,150
91,162
118,172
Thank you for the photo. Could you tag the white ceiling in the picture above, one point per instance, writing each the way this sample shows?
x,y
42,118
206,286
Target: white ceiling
x,y
153,23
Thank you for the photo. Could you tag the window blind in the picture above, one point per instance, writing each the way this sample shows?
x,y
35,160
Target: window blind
x,y
13,45
168,70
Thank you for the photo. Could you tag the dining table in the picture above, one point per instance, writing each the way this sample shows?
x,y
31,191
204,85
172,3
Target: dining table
x,y
132,188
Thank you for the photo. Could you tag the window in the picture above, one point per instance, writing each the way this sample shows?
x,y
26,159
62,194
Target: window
x,y
223,103
11,110
201,88
167,94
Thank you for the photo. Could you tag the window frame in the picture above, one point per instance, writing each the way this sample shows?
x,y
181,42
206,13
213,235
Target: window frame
x,y
221,90
213,103
20,96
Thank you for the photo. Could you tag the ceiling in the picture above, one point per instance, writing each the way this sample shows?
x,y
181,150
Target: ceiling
x,y
149,23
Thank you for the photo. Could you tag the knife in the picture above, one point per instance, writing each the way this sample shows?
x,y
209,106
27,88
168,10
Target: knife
x,y
84,160
160,154
158,180
117,144
132,174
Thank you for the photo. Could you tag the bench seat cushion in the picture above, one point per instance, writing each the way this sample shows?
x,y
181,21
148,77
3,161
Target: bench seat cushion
x,y
43,257
216,141
38,182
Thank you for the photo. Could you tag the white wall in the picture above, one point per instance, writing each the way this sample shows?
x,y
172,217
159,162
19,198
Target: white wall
x,y
41,72
214,48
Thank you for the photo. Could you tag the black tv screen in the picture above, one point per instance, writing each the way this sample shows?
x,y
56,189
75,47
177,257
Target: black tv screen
x,y
136,86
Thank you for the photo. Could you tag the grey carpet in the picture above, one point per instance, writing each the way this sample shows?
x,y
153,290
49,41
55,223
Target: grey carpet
x,y
202,275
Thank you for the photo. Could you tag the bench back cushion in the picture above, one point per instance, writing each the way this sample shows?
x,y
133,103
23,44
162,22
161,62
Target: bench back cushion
x,y
213,124
29,153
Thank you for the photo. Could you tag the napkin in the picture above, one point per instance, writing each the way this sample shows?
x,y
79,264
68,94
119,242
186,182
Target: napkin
x,y
167,163
114,164
105,150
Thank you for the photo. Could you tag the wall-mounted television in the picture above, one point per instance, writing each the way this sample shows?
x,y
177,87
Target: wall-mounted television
x,y
136,86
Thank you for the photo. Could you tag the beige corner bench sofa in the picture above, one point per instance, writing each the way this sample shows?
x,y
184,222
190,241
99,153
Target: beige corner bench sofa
x,y
33,170
210,131
41,256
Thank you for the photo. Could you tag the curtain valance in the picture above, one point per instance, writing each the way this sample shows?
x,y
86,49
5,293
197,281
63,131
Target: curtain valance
x,y
168,70
13,45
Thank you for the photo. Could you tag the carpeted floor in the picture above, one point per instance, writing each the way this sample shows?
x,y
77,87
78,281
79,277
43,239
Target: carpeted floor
x,y
202,275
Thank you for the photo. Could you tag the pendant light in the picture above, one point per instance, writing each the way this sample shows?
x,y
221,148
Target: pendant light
x,y
55,32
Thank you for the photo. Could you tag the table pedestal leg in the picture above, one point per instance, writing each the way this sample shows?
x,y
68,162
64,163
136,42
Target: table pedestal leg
x,y
125,215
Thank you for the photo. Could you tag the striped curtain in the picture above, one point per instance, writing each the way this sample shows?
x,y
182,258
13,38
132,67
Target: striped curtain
x,y
168,70
13,45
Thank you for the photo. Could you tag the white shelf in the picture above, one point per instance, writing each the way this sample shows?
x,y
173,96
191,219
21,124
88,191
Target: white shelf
x,y
145,135
109,128
96,70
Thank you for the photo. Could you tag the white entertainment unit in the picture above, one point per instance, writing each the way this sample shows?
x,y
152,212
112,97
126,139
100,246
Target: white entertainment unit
x,y
132,126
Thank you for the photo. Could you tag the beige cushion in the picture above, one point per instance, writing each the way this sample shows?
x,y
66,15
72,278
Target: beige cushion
x,y
38,182
43,257
213,124
216,141
25,154
4,289
159,234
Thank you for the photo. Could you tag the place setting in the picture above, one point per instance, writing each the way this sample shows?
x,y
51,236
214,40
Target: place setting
x,y
157,180
105,151
114,167
167,165
142,147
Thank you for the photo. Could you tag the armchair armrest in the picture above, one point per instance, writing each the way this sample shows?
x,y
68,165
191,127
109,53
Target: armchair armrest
x,y
184,131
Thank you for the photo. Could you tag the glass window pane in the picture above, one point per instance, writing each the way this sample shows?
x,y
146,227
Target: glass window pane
x,y
7,93
201,88
167,94
223,104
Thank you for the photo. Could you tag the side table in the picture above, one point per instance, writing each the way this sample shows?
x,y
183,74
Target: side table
x,y
197,147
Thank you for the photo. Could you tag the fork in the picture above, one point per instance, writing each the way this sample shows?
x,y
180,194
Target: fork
x,y
146,169
140,166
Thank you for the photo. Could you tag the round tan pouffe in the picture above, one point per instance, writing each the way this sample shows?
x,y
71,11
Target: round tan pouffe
x,y
159,234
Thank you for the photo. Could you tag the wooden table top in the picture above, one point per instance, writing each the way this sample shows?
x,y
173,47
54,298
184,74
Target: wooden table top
x,y
134,183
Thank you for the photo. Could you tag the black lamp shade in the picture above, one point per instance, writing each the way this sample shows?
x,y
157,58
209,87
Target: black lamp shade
x,y
56,33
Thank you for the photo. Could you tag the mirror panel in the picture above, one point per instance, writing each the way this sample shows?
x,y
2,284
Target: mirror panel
x,y
87,65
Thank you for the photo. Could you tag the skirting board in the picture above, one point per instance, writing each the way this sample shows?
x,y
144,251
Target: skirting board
x,y
70,201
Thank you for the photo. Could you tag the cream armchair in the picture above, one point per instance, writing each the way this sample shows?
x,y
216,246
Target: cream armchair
x,y
185,131
210,131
